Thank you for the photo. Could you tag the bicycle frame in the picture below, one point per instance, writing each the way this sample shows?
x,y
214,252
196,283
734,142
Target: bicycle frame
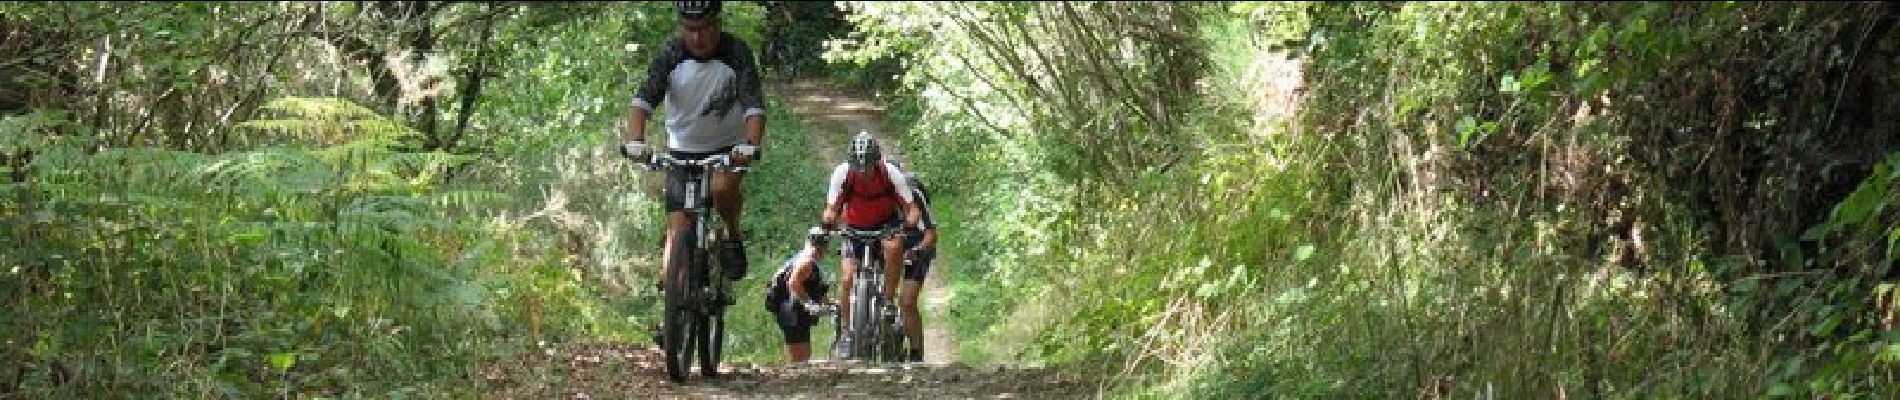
x,y
697,314
871,332
697,206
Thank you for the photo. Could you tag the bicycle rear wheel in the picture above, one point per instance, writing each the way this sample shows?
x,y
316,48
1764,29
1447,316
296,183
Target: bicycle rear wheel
x,y
890,339
873,343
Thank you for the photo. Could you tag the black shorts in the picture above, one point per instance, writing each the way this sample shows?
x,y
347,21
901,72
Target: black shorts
x,y
793,319
676,178
916,271
794,322
913,273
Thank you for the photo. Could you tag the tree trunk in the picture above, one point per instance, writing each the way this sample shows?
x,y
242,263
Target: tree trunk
x,y
471,91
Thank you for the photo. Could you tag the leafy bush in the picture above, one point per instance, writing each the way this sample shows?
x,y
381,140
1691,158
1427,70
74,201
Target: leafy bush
x,y
1455,199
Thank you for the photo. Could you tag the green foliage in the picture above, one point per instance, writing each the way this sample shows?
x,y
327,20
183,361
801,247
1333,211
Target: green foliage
x,y
1201,200
277,270
1459,199
306,246
1835,312
328,122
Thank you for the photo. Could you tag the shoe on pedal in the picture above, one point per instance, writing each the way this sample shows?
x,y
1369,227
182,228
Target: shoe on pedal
x,y
732,255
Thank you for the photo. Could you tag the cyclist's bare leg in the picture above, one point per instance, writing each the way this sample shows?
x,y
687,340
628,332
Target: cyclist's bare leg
x,y
844,298
893,264
728,200
674,222
798,352
913,322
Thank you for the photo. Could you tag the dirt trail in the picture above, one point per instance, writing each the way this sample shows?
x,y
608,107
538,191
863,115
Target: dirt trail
x,y
637,371
621,371
835,115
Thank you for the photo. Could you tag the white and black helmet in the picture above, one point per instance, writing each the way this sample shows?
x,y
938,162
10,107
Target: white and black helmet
x,y
864,152
816,236
697,9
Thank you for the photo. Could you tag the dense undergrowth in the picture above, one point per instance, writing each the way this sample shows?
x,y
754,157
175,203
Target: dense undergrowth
x,y
1458,199
317,239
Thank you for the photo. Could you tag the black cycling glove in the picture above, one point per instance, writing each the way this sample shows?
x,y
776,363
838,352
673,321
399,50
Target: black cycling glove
x,y
920,253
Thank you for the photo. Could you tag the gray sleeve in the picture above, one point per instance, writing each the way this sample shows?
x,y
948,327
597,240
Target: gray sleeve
x,y
739,57
653,89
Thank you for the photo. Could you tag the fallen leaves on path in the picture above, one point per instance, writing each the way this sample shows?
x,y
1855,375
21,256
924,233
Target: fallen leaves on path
x,y
626,371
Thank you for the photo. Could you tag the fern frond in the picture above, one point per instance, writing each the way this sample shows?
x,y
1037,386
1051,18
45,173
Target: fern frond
x,y
327,121
468,199
319,108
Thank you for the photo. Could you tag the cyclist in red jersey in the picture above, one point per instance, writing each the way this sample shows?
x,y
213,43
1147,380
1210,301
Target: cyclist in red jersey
x,y
869,193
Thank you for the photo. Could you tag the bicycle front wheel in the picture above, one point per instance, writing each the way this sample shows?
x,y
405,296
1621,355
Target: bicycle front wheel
x,y
711,343
863,323
681,318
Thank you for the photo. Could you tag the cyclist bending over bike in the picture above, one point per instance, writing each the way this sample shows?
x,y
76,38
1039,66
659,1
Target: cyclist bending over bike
x,y
868,193
707,80
796,305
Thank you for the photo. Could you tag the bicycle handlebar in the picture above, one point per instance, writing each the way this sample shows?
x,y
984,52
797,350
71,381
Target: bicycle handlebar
x,y
720,162
862,234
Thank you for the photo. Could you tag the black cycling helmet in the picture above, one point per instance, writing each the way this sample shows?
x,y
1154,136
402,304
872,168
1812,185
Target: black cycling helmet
x,y
864,152
697,9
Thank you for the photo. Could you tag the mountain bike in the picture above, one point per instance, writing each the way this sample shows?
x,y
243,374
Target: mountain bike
x,y
875,332
697,291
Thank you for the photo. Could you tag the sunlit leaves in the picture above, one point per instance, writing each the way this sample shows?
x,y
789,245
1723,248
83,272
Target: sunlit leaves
x,y
1858,210
326,122
282,361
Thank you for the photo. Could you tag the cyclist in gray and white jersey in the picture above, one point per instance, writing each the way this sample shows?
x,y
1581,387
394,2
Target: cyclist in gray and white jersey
x,y
709,84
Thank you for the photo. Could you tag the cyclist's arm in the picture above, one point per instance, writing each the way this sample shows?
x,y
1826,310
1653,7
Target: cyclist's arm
x,y
834,195
751,95
653,89
801,271
913,215
755,129
637,124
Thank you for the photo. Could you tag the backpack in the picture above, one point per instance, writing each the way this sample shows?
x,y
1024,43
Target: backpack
x,y
776,293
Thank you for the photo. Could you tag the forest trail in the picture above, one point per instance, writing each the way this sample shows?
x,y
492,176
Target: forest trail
x,y
610,370
625,371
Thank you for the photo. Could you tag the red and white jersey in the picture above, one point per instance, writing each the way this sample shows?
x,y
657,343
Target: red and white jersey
x,y
869,198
